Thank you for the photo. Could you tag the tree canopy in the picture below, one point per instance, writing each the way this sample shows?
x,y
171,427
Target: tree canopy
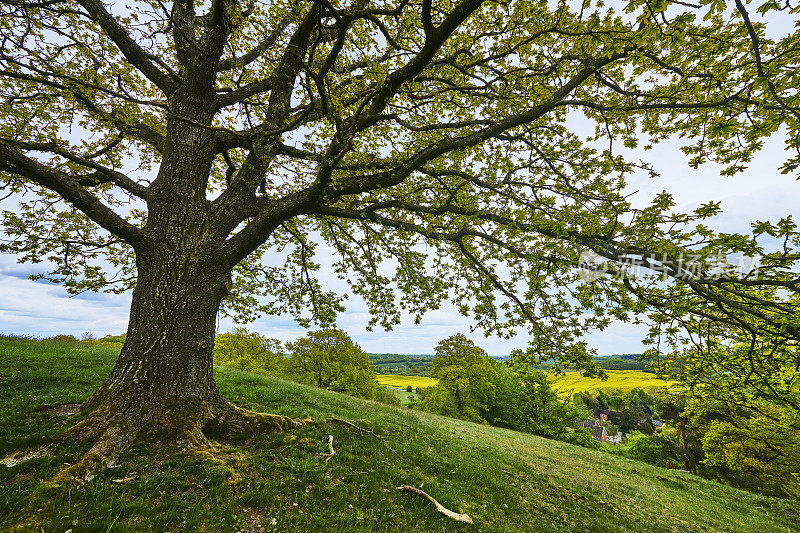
x,y
249,351
468,150
387,130
329,359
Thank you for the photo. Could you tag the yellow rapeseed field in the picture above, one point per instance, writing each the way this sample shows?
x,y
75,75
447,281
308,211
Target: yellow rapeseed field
x,y
625,380
566,384
401,382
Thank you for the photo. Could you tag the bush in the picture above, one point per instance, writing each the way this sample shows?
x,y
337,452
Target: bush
x,y
384,395
63,338
644,448
579,437
647,428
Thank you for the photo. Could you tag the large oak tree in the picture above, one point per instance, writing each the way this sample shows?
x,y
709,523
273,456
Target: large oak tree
x,y
467,150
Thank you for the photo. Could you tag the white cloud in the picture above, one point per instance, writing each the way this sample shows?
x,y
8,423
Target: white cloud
x,y
43,310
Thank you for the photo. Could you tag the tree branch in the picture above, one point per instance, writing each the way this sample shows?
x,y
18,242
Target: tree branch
x,y
129,48
262,47
104,174
69,189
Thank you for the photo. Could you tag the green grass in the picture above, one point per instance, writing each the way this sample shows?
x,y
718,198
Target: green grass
x,y
506,481
404,397
401,382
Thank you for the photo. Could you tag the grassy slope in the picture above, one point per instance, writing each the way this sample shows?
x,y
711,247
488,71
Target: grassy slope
x,y
506,481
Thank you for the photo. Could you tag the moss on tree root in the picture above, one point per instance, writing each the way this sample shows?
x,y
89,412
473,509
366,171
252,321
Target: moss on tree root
x,y
238,423
116,422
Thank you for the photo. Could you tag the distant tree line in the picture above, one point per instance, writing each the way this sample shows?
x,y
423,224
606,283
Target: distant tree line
x,y
619,363
387,363
423,364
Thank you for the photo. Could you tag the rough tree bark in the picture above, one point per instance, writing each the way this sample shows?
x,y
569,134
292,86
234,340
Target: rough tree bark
x,y
163,379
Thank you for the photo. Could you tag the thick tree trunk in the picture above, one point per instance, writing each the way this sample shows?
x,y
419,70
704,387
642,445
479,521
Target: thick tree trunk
x,y
163,379
166,363
168,349
687,463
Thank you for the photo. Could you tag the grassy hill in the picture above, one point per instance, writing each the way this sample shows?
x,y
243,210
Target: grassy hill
x,y
506,481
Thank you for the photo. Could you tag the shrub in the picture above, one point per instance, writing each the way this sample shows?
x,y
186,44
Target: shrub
x,y
579,437
644,448
63,338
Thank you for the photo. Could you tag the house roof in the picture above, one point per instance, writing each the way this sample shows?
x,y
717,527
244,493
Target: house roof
x,y
608,412
599,433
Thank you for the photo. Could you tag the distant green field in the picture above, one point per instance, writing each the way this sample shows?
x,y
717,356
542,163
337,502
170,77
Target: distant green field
x,y
401,382
625,380
566,384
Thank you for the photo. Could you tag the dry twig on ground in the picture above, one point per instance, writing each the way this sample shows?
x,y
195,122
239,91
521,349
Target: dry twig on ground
x,y
439,507
328,456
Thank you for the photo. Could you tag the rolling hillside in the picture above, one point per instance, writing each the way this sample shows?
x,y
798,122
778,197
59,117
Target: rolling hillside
x,y
506,481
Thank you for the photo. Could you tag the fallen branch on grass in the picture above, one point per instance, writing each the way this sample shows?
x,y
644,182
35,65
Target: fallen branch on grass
x,y
328,456
439,507
345,422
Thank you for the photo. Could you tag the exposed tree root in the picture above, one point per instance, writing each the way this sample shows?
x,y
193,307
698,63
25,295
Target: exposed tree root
x,y
62,409
82,431
439,507
234,422
110,442
86,429
116,421
18,457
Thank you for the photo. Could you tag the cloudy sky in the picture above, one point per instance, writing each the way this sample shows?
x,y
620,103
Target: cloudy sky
x,y
42,309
